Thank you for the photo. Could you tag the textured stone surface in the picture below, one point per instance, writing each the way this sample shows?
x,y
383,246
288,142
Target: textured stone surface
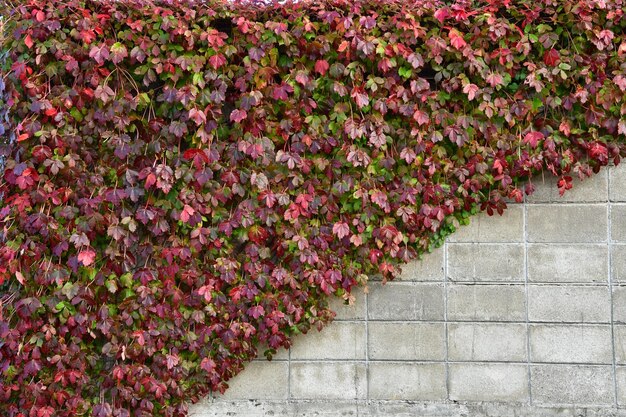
x,y
618,223
567,223
483,228
519,315
583,304
571,344
489,382
340,340
420,341
407,381
487,342
486,302
253,383
571,385
558,263
327,380
408,301
500,262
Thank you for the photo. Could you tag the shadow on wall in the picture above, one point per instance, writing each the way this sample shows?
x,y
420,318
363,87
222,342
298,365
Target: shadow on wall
x,y
518,312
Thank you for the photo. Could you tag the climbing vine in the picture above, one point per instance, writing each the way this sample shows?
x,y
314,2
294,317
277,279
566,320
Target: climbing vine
x,y
186,183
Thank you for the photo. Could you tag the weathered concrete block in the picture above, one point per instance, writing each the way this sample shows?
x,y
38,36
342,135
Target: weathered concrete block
x,y
407,381
620,381
618,223
487,342
339,340
619,337
251,383
618,263
619,304
617,181
356,311
406,341
553,303
567,223
485,262
488,382
327,380
486,302
406,301
592,189
506,228
429,268
571,344
572,384
568,263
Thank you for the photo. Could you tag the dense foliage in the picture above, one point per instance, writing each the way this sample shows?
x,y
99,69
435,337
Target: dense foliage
x,y
189,182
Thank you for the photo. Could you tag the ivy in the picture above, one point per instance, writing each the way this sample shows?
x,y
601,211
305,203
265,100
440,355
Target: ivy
x,y
185,184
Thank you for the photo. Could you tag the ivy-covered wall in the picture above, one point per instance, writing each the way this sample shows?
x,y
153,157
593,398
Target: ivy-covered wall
x,y
515,315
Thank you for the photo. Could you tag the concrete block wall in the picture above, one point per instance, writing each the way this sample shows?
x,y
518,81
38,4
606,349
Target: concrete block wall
x,y
523,314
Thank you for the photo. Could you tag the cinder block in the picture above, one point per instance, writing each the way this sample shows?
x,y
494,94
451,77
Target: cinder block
x,y
617,183
619,337
618,223
593,189
567,385
483,228
485,262
407,381
406,301
620,379
429,268
619,304
252,384
486,302
567,223
488,382
618,263
569,304
339,340
406,341
487,342
356,311
568,263
571,344
327,380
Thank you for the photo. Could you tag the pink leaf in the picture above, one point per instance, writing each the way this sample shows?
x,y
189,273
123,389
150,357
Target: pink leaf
x,y
456,39
341,229
238,116
87,257
533,138
321,66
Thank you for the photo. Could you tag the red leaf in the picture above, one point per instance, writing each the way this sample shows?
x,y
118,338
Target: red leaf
x,y
442,14
456,39
533,138
552,57
321,66
28,41
87,257
217,61
257,234
186,213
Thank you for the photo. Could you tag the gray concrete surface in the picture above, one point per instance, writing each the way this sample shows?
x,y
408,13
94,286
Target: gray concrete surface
x,y
519,315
